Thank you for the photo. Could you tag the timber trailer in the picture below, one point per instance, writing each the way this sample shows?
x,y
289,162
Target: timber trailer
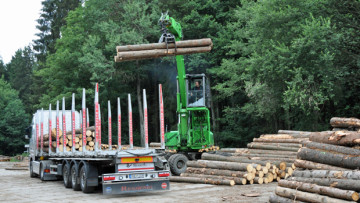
x,y
193,135
118,171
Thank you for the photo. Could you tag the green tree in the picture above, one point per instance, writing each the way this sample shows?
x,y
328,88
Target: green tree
x,y
20,70
13,120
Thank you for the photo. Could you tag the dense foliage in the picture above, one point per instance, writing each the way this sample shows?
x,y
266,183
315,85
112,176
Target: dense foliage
x,y
276,64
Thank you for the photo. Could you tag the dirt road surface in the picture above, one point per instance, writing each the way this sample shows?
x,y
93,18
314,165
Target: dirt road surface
x,y
17,186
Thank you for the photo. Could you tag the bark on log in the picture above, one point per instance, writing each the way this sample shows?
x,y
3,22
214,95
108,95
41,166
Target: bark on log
x,y
179,44
219,172
155,144
355,175
345,184
278,199
261,146
295,132
234,150
201,180
259,151
206,156
275,144
53,133
313,165
344,161
305,196
238,181
322,190
338,122
344,138
276,136
332,148
220,165
300,141
285,156
156,53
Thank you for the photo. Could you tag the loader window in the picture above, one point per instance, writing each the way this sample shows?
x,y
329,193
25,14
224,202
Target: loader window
x,y
195,93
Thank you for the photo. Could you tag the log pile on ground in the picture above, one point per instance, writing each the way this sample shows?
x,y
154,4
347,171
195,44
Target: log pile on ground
x,y
4,158
156,50
328,167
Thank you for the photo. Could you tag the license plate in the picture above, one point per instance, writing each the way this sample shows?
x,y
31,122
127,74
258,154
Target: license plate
x,y
141,159
136,176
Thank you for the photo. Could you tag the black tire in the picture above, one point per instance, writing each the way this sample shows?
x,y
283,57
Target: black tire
x,y
83,181
31,169
75,180
42,173
66,176
177,164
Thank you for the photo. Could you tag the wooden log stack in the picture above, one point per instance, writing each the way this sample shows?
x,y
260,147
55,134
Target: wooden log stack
x,y
327,166
156,50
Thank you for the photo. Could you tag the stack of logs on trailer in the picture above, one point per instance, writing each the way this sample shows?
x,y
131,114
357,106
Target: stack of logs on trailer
x,y
90,140
327,166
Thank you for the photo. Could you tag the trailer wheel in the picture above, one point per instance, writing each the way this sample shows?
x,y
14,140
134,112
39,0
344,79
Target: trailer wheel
x,y
32,174
177,164
83,181
42,172
75,183
66,175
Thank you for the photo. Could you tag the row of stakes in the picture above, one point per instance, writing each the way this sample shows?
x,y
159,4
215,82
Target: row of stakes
x,y
84,123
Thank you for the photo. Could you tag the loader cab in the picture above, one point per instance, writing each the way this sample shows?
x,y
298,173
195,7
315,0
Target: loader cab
x,y
197,91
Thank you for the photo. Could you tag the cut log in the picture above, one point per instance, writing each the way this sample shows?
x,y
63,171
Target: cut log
x,y
238,181
280,140
345,184
322,190
261,146
313,165
332,148
155,144
274,143
338,122
264,155
206,156
258,180
91,143
53,133
305,196
344,161
179,44
45,137
219,172
355,175
221,165
234,150
276,136
278,199
259,151
302,134
89,139
156,53
344,138
201,180
282,166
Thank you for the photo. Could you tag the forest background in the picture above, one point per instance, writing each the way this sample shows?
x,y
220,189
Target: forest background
x,y
275,64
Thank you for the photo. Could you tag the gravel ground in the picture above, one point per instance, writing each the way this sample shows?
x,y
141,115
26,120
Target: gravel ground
x,y
17,186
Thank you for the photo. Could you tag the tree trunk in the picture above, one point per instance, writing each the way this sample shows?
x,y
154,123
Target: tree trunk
x,y
277,199
305,196
179,44
238,181
322,190
140,107
313,165
355,175
206,156
221,165
276,144
259,151
157,53
201,180
219,172
345,138
337,122
261,146
324,157
300,141
344,184
332,148
266,155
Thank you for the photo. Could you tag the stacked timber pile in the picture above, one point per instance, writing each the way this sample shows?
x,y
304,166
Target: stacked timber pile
x,y
332,159
226,169
4,158
347,124
156,50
